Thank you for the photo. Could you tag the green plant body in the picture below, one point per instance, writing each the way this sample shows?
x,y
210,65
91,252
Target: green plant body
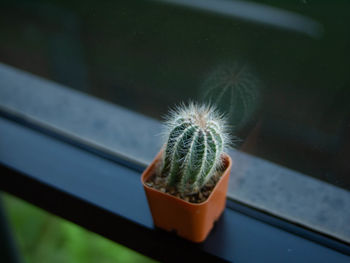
x,y
196,138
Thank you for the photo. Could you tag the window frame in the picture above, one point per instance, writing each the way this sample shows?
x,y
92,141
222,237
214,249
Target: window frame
x,y
26,178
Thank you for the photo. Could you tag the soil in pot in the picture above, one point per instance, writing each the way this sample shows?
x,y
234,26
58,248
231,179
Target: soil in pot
x,y
159,182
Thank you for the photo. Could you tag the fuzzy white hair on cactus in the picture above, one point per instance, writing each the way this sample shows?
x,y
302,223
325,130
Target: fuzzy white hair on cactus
x,y
196,137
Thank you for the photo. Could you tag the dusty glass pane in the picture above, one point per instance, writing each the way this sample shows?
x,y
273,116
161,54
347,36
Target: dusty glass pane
x,y
279,69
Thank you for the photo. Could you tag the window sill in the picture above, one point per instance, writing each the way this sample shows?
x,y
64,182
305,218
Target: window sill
x,y
108,198
126,136
92,191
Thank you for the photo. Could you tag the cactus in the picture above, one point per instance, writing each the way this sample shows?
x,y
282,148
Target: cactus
x,y
196,139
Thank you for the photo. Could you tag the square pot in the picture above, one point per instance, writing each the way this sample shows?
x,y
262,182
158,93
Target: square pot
x,y
192,221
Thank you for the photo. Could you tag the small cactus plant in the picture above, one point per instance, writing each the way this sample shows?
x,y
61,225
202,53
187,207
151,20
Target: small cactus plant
x,y
196,139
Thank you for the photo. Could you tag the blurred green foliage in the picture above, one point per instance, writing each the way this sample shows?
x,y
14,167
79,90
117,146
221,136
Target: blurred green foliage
x,y
42,237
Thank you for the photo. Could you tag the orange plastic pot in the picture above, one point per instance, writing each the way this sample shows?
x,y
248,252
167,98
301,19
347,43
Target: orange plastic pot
x,y
189,220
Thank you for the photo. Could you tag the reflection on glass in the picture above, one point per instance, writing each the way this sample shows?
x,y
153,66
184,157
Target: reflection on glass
x,y
235,89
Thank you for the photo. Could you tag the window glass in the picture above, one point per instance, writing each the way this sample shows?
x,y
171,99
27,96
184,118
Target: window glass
x,y
280,69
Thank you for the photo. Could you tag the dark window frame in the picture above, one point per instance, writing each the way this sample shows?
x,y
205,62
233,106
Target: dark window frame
x,y
58,173
59,181
131,138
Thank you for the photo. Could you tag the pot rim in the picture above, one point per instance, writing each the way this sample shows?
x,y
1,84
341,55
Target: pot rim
x,y
150,168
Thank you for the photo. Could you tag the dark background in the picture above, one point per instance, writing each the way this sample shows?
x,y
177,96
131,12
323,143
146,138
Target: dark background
x,y
149,56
